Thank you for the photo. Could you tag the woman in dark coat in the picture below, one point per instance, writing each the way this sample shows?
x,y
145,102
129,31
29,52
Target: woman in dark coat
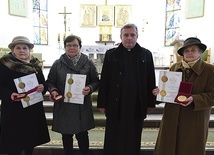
x,y
71,118
21,128
184,126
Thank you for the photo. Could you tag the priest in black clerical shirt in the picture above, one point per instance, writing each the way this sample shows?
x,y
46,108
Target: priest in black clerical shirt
x,y
125,93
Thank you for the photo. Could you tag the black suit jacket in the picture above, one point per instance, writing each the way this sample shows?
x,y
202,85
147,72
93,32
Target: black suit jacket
x,y
111,80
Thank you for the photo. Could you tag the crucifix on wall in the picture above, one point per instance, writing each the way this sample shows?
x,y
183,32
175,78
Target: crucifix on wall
x,y
65,16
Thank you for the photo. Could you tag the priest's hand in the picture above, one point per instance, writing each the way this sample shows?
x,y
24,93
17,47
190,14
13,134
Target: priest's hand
x,y
155,91
102,110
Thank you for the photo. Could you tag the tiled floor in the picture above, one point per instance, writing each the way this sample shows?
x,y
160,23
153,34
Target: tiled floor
x,y
96,136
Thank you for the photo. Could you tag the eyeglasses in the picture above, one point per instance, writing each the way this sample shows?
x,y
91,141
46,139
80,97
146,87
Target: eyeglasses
x,y
74,46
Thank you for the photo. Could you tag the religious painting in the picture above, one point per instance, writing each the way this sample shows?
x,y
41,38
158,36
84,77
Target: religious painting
x,y
122,15
17,7
88,15
105,15
194,8
40,22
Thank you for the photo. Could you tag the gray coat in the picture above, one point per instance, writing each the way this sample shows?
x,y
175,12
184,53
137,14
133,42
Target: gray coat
x,y
69,118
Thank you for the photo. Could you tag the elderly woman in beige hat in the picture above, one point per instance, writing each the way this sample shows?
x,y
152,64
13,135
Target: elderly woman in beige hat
x,y
21,128
184,126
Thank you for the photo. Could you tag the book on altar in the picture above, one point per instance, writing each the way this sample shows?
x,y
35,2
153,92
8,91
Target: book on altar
x,y
74,85
26,86
169,82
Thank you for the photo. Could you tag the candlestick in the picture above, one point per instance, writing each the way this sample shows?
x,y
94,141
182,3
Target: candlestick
x,y
64,37
58,38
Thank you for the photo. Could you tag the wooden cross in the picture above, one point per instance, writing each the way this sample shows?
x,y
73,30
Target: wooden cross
x,y
65,13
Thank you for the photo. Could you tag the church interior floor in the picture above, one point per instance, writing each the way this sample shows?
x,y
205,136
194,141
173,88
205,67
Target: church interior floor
x,y
96,136
149,136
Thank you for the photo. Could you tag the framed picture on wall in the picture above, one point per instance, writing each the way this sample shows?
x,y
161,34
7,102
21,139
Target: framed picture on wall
x,y
105,15
88,15
194,8
122,15
17,8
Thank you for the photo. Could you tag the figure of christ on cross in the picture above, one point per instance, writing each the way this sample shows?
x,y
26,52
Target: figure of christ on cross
x,y
65,15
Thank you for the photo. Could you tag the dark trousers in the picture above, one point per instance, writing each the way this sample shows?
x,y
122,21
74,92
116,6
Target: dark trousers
x,y
83,143
28,151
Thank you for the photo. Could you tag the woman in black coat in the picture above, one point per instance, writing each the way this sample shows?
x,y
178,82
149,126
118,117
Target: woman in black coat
x,y
21,128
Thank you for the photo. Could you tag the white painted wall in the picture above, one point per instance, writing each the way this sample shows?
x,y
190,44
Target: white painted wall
x,y
152,37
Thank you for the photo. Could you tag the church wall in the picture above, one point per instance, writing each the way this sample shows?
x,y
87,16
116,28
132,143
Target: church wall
x,y
142,11
200,27
11,26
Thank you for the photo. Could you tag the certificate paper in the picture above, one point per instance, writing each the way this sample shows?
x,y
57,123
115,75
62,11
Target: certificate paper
x,y
74,85
26,83
169,83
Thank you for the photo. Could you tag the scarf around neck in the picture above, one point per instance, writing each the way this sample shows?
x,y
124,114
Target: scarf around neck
x,y
11,62
189,64
75,59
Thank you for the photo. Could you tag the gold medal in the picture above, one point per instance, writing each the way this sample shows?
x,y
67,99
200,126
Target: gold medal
x,y
182,98
69,94
70,81
58,97
164,78
21,85
27,99
163,93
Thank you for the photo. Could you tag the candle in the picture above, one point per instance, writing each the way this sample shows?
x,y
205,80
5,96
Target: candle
x,y
64,37
58,38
